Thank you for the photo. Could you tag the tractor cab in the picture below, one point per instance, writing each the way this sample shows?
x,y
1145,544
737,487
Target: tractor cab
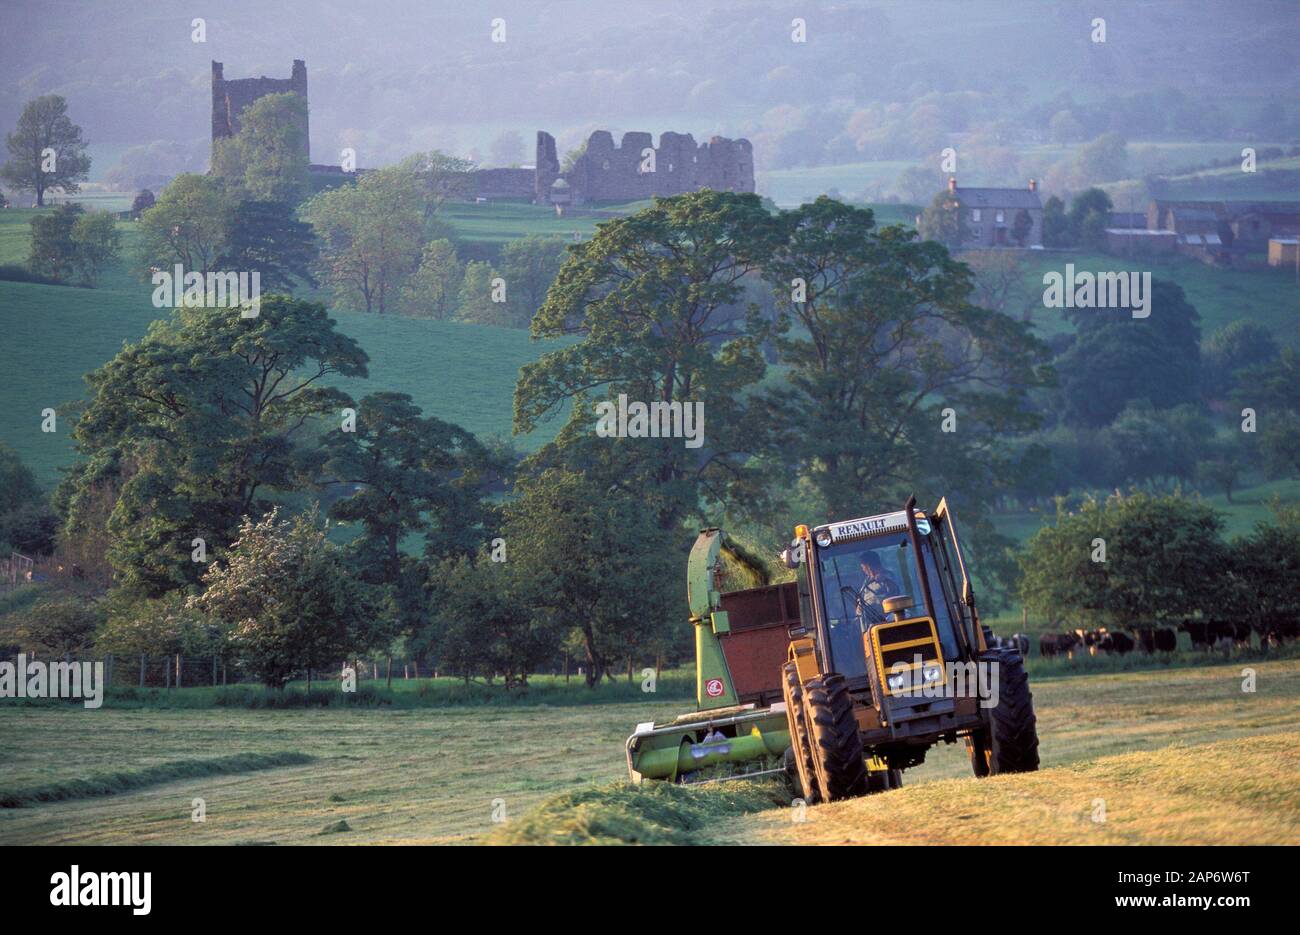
x,y
884,599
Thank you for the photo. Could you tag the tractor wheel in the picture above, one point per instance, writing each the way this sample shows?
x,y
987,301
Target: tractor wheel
x,y
1013,731
882,780
837,753
977,745
800,752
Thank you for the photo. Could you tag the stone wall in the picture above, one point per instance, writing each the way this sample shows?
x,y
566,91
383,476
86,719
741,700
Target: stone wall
x,y
231,96
635,169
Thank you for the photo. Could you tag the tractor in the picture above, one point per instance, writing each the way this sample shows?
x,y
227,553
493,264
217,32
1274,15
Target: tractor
x,y
846,676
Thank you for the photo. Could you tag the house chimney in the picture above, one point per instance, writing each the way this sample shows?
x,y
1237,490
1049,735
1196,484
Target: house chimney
x,y
952,183
1033,185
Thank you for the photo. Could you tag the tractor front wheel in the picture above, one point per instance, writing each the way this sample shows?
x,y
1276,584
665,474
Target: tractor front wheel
x,y
1013,729
837,753
800,753
882,780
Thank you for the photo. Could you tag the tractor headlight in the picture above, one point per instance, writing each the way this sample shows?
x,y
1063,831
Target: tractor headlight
x,y
933,674
823,538
896,682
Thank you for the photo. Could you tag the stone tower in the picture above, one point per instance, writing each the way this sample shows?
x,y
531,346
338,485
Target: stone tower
x,y
230,97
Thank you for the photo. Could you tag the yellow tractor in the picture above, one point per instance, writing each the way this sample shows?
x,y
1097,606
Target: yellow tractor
x,y
890,658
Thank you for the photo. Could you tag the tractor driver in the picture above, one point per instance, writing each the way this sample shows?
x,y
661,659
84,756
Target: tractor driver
x,y
878,583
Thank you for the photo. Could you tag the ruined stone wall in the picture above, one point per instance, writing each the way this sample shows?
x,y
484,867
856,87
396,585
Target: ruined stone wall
x,y
505,183
231,96
626,171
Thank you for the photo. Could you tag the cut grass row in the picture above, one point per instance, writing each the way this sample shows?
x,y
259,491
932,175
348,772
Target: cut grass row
x,y
126,780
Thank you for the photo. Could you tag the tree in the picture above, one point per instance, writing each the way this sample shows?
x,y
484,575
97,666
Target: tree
x,y
1089,214
1272,391
998,277
52,251
593,556
410,475
267,237
1266,571
143,201
46,150
1105,159
289,599
1240,344
187,225
1117,358
434,290
529,266
191,425
61,627
942,221
653,298
486,625
888,341
1164,561
371,235
26,523
267,159
95,243
1056,225
476,302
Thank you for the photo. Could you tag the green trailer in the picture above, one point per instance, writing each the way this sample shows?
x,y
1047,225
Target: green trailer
x,y
740,727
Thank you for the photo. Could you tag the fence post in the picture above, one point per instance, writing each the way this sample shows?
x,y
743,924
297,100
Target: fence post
x,y
178,670
390,671
143,661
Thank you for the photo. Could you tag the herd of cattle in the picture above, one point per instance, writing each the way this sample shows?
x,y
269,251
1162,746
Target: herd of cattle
x,y
1205,635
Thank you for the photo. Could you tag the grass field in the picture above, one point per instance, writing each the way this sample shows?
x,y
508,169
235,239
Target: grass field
x,y
1141,741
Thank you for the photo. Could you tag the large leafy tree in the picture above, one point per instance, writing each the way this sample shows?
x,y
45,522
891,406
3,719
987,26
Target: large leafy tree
x,y
193,425
1164,561
43,127
371,235
654,298
529,265
266,236
186,225
410,476
591,557
886,340
1117,358
267,159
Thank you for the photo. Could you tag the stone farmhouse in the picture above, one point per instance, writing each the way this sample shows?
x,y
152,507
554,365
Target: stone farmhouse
x,y
998,217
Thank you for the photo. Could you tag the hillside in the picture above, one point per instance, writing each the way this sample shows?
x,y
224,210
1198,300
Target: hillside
x,y
54,334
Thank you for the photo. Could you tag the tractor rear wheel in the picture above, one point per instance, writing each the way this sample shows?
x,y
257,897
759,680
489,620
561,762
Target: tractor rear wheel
x,y
1013,729
800,747
837,753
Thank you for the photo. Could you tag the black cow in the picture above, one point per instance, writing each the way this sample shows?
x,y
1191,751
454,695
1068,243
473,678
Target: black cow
x,y
1166,640
1053,644
1119,643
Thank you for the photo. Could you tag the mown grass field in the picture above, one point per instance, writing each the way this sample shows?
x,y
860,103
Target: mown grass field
x,y
1144,742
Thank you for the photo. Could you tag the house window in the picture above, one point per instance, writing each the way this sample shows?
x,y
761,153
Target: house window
x,y
975,215
1001,217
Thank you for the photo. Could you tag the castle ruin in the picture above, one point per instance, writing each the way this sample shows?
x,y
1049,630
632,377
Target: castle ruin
x,y
635,169
632,170
231,96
